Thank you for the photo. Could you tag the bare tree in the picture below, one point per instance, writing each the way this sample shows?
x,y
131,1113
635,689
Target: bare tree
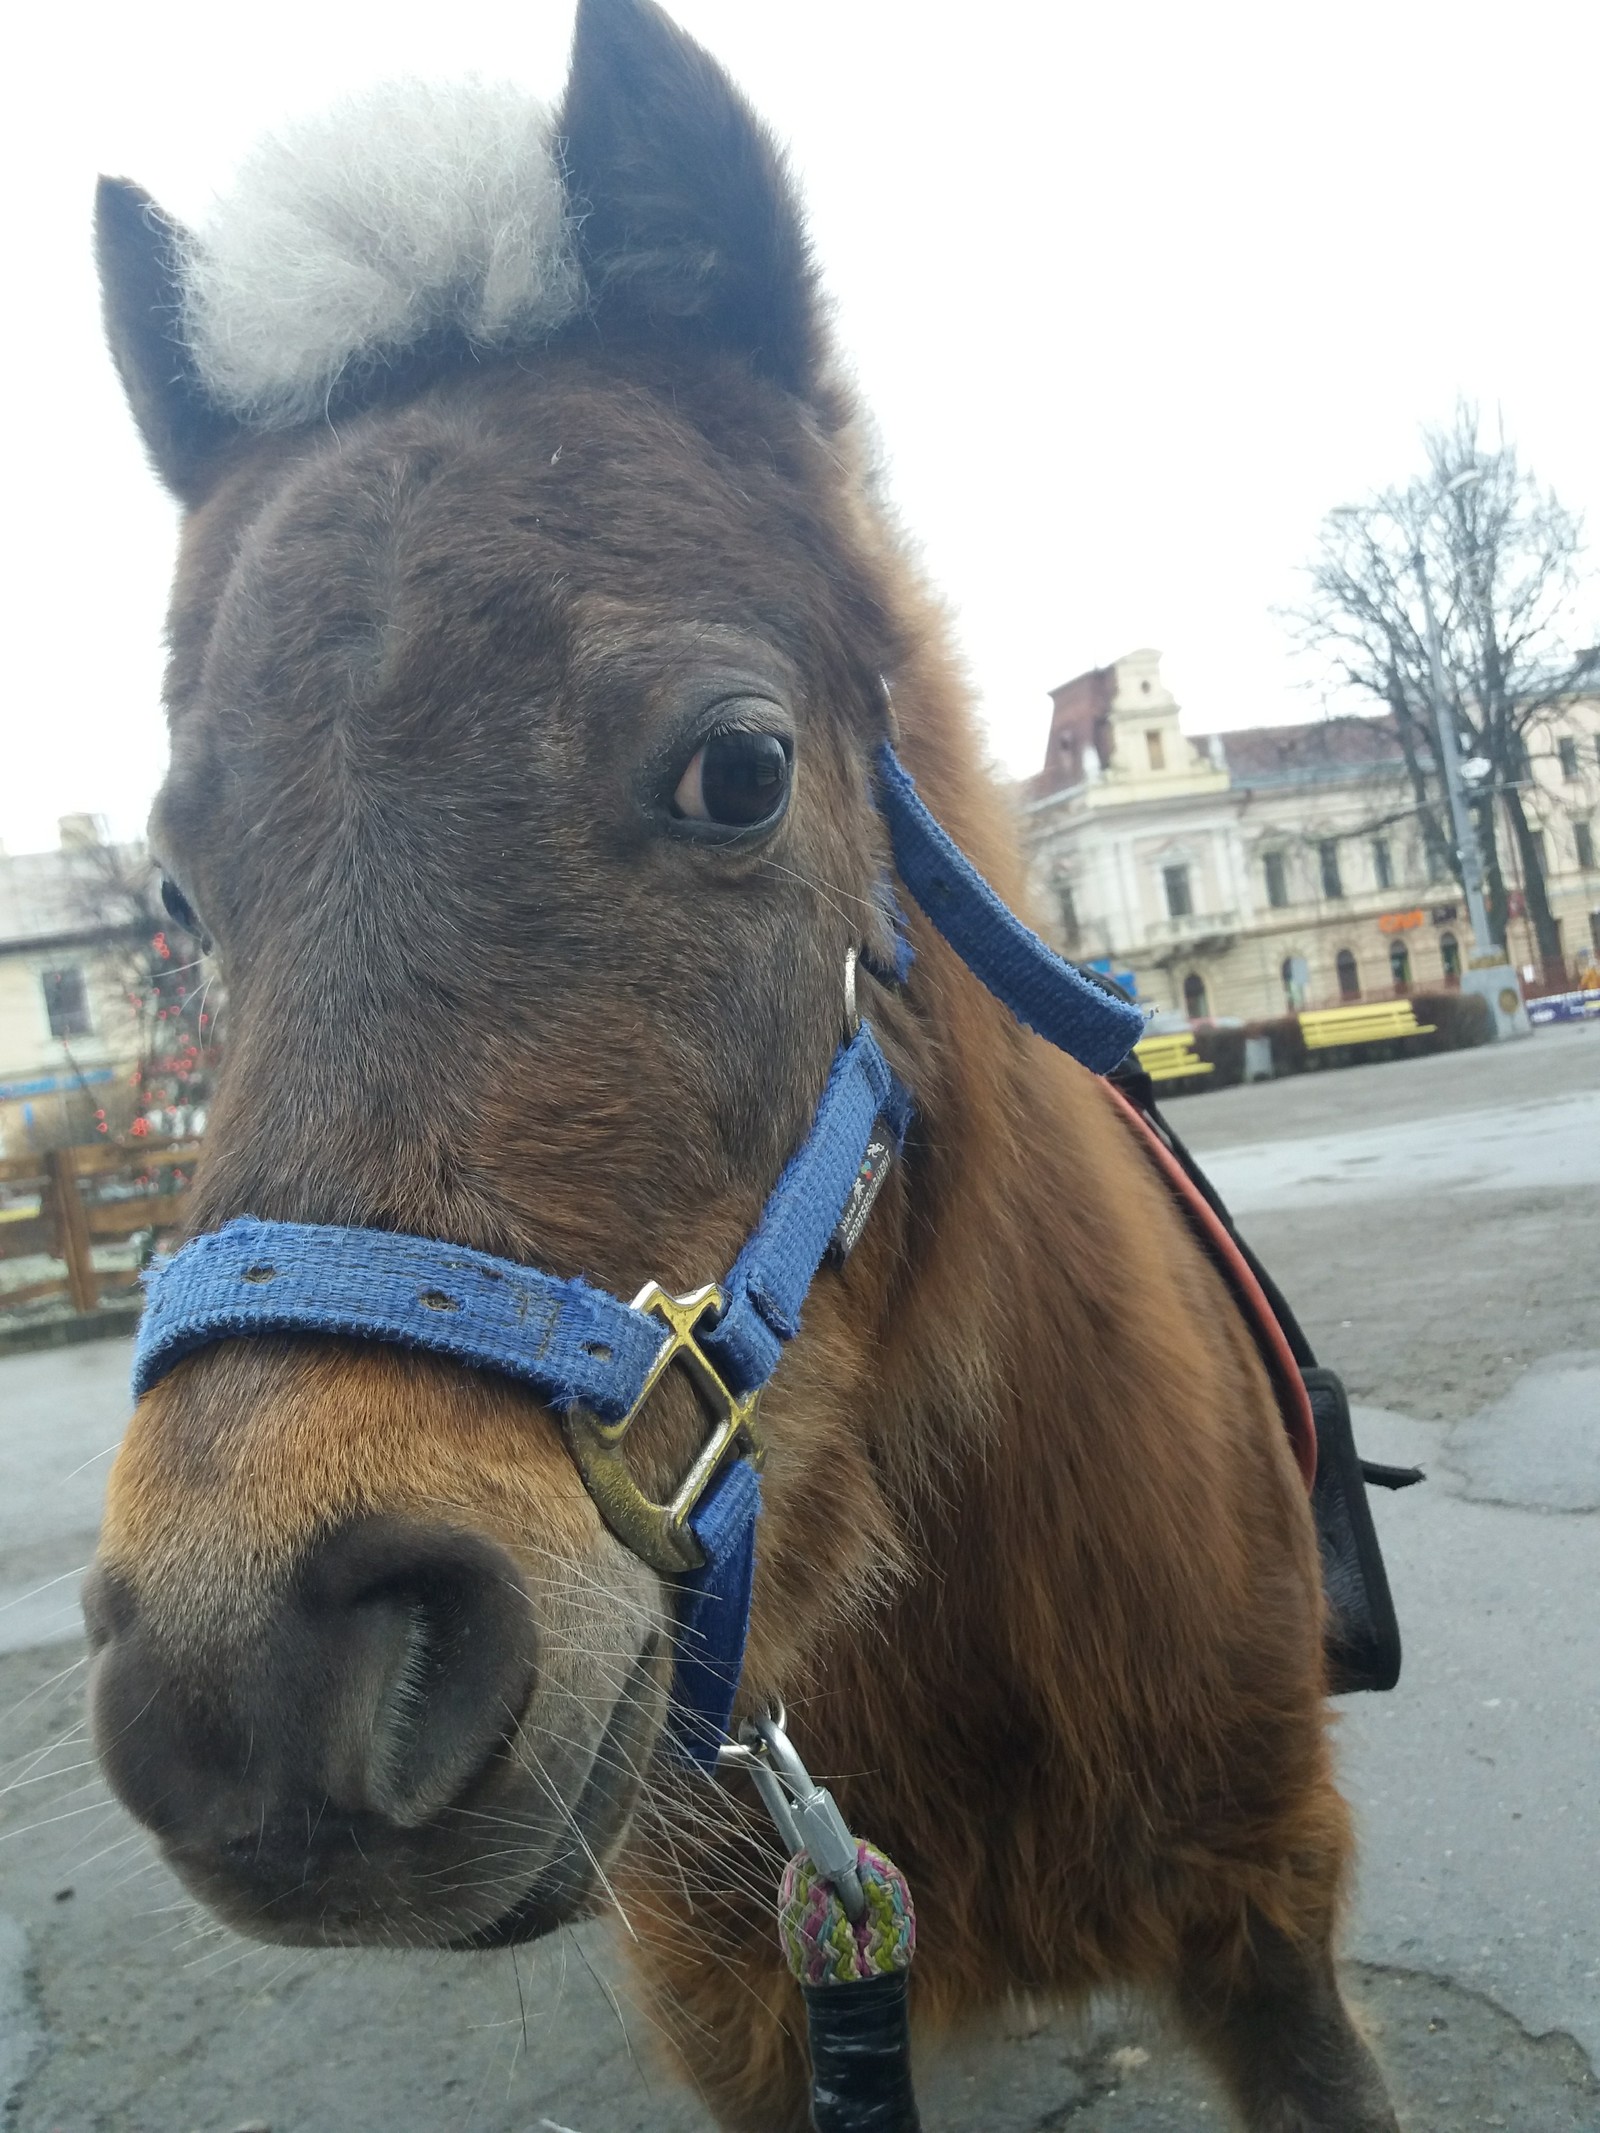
x,y
1503,558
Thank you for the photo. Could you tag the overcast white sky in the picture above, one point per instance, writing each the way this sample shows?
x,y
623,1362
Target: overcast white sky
x,y
1137,293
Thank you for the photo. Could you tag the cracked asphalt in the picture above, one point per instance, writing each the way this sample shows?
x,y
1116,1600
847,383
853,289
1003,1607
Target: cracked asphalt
x,y
1437,1226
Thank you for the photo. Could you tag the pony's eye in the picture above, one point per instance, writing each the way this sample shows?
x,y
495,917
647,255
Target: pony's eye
x,y
737,779
178,907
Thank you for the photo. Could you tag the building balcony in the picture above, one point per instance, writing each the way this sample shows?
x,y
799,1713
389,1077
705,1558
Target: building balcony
x,y
1190,930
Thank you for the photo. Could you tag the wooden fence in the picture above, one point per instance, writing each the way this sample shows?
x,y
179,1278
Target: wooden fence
x,y
64,1205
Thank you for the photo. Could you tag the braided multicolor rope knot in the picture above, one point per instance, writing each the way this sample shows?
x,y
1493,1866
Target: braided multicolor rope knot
x,y
819,1942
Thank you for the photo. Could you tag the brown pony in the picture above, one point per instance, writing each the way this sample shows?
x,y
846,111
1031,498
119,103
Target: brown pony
x,y
525,676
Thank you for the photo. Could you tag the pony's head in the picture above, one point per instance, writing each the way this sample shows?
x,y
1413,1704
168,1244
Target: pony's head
x,y
525,677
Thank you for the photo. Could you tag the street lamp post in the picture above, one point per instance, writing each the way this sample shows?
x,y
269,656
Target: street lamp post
x,y
1488,973
1449,745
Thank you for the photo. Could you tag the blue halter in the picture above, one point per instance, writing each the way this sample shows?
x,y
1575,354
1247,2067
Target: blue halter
x,y
593,1359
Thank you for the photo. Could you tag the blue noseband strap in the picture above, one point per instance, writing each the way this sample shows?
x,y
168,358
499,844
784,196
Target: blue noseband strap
x,y
574,1344
580,1347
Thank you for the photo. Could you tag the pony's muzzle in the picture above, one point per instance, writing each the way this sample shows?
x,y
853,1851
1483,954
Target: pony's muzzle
x,y
275,1754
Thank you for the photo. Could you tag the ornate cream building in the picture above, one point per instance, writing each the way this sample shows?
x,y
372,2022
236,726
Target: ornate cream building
x,y
1275,866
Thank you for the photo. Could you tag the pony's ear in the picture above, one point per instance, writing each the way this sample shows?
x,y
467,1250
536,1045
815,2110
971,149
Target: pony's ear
x,y
687,220
138,248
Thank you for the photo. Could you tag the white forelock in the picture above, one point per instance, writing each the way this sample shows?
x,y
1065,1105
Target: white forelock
x,y
350,238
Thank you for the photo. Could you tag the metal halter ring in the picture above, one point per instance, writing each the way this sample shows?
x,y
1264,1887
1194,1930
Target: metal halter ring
x,y
852,1013
660,1534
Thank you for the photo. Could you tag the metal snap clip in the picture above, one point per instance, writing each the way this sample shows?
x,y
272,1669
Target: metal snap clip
x,y
804,1813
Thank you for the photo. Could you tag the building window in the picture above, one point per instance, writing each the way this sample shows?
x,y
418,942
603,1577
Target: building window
x,y
1382,864
1176,882
66,1002
1541,851
1277,880
1296,975
1450,958
1567,751
1583,844
1328,858
1400,966
1154,749
1194,997
1349,977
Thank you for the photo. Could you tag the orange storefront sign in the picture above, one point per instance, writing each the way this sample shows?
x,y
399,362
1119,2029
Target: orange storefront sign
x,y
1400,921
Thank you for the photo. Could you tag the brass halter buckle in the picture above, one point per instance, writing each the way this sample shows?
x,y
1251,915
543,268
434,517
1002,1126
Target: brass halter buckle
x,y
659,1533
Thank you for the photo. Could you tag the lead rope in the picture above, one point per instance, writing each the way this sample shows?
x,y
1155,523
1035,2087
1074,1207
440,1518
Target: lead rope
x,y
848,1931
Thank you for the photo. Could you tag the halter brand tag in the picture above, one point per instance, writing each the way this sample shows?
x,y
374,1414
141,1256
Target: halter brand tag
x,y
864,1191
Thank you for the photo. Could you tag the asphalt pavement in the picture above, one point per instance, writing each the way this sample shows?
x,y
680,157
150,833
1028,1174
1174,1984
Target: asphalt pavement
x,y
1437,1226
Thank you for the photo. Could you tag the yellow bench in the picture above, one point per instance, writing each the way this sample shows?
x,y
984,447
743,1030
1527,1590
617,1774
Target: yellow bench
x,y
1377,1022
1171,1058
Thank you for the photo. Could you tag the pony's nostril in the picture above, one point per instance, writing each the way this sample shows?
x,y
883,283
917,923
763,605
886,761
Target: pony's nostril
x,y
382,1685
109,1607
430,1638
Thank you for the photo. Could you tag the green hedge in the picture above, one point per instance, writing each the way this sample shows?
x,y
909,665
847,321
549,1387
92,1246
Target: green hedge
x,y
1288,1046
1223,1049
1463,1018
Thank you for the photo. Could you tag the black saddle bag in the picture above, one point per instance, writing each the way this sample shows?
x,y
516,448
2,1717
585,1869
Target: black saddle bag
x,y
1363,1636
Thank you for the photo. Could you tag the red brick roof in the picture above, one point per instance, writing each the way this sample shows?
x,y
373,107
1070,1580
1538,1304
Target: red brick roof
x,y
1079,719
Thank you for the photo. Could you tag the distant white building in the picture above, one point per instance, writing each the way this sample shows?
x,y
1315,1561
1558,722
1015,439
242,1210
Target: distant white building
x,y
1273,866
69,1032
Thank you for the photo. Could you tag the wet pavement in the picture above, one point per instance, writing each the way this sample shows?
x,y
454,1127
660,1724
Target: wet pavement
x,y
1437,1225
1553,1145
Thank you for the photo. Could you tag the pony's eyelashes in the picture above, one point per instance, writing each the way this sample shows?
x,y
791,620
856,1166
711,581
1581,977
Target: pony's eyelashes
x,y
738,780
181,912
